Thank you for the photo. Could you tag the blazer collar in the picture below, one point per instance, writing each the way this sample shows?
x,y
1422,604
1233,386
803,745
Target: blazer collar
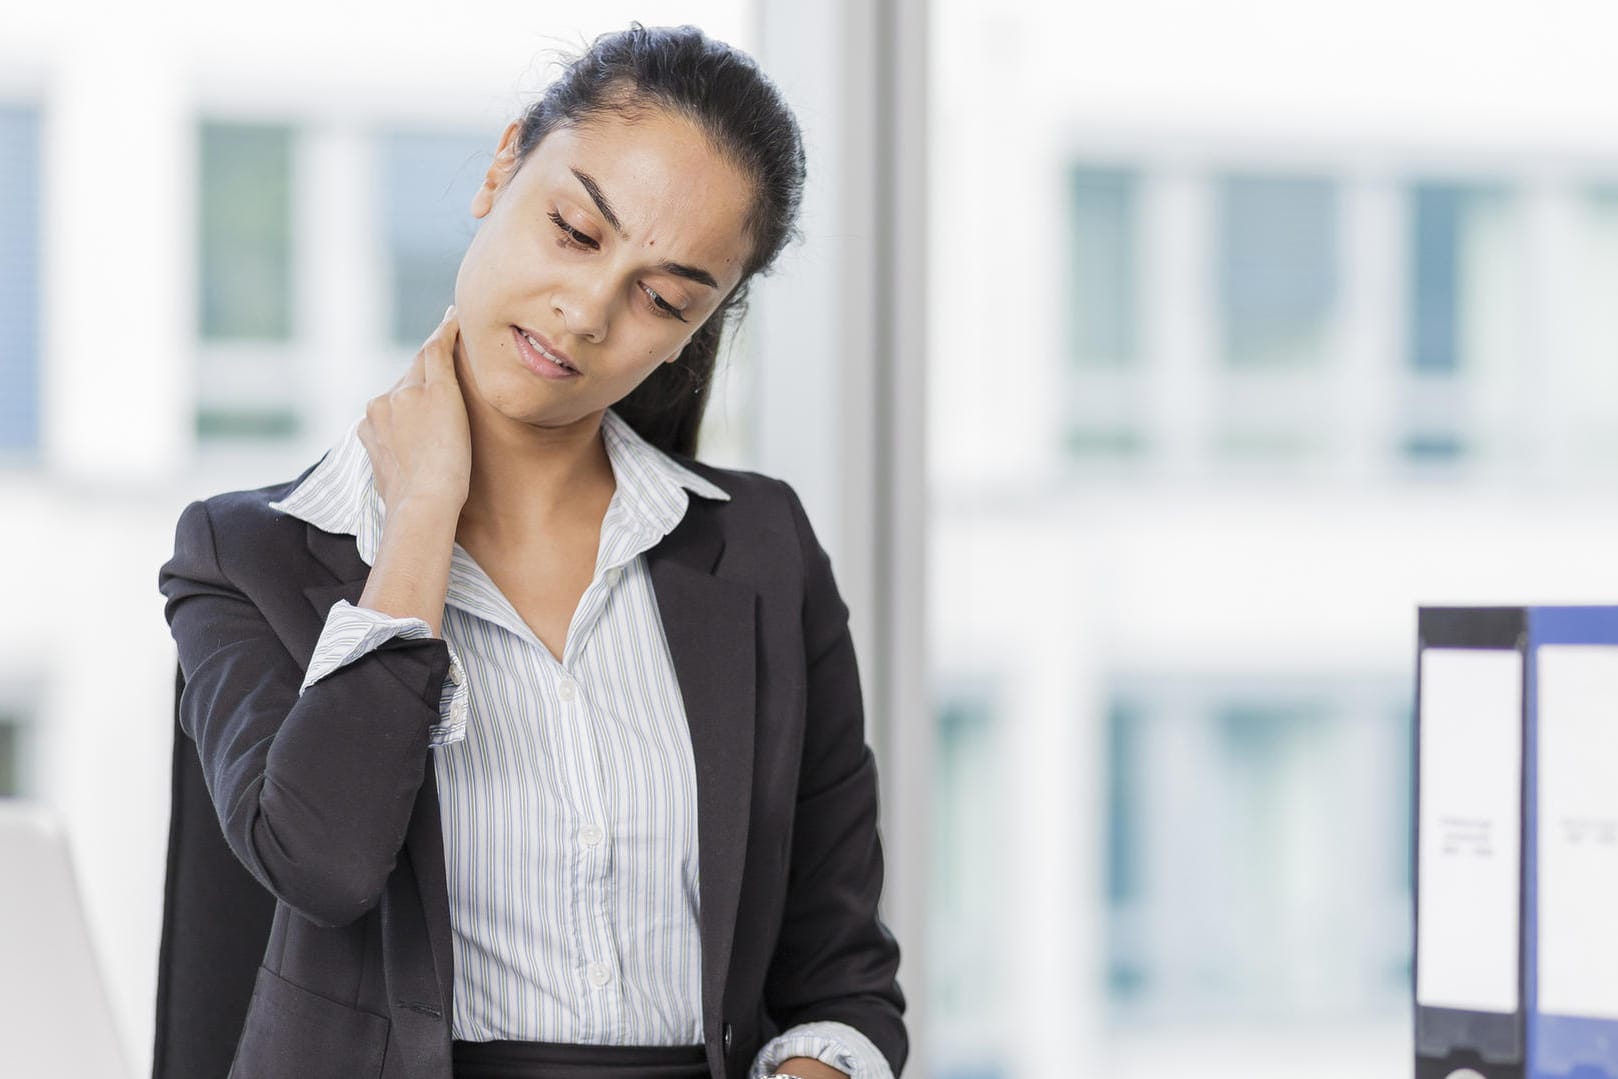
x,y
707,609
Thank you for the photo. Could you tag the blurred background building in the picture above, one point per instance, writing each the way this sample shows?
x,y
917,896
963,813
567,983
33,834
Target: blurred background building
x,y
1249,327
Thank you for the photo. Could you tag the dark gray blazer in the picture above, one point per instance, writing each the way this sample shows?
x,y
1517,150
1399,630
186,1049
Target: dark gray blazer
x,y
306,927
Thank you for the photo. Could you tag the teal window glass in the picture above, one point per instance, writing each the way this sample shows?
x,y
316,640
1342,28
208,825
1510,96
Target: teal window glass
x,y
1105,240
427,181
1450,229
1247,826
19,280
10,757
245,231
1126,966
1435,276
964,842
1277,268
247,423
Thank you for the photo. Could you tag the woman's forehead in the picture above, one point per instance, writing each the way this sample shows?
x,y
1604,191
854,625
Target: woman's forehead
x,y
659,178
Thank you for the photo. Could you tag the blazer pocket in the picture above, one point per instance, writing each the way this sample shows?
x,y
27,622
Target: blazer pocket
x,y
292,1033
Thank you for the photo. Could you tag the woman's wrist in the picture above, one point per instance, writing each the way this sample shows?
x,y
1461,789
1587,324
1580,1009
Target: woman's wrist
x,y
410,577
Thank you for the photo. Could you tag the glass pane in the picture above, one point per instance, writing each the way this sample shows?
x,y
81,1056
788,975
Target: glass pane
x,y
966,877
1086,441
1456,243
1277,268
10,759
1247,827
1126,763
1104,255
19,280
1591,406
1435,254
1469,379
428,181
245,231
246,423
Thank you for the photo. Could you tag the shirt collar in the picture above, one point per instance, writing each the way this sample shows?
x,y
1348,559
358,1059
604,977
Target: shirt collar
x,y
339,495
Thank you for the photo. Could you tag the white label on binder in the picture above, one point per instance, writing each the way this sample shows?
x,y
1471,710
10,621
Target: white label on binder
x,y
1578,830
1469,847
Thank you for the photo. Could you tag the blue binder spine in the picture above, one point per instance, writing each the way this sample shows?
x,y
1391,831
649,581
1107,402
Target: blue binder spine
x,y
1559,1046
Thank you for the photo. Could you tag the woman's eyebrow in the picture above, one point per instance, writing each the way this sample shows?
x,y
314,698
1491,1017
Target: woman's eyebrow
x,y
593,189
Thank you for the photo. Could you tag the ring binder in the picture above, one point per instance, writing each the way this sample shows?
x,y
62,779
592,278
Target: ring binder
x,y
1516,843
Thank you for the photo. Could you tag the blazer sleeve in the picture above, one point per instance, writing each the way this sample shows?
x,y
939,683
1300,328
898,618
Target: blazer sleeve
x,y
314,790
835,959
352,632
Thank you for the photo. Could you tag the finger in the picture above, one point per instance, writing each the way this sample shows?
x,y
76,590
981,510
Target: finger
x,y
440,348
415,374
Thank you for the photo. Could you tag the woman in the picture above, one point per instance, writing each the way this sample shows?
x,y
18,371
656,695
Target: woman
x,y
565,773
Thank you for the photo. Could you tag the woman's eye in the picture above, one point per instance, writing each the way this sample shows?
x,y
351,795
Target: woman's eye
x,y
573,237
662,306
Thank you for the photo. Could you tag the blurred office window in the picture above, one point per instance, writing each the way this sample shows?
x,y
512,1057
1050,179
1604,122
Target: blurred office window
x,y
1275,273
246,231
1105,388
1104,253
1252,822
245,280
1590,395
19,281
428,180
968,882
11,755
1463,350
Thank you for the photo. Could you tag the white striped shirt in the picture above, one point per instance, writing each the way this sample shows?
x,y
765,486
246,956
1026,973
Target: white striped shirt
x,y
567,789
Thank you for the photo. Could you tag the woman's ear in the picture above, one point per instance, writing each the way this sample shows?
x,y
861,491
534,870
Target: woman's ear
x,y
500,170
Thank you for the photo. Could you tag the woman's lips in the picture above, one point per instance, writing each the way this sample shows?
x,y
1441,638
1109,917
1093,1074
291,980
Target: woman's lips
x,y
535,360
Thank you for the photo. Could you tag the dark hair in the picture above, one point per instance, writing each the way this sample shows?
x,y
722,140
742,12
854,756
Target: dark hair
x,y
743,114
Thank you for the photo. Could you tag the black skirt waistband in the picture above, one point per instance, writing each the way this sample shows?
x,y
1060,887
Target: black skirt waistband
x,y
502,1059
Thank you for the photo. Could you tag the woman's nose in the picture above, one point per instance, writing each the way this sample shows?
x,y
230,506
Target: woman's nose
x,y
584,311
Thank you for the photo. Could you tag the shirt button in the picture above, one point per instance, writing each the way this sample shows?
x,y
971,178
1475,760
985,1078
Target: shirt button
x,y
600,974
590,835
568,689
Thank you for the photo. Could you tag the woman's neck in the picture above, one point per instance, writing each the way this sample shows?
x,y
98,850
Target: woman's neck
x,y
526,479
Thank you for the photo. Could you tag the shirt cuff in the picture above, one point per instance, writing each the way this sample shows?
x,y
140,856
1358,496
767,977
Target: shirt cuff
x,y
352,632
830,1042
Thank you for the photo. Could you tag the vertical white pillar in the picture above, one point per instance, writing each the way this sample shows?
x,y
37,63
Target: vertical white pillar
x,y
116,375
837,363
1373,272
341,278
1178,323
1547,374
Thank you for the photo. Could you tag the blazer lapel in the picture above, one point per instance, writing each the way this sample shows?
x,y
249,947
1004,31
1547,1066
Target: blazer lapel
x,y
709,623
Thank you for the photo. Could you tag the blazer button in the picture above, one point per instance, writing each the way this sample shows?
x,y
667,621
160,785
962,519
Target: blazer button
x,y
727,1037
